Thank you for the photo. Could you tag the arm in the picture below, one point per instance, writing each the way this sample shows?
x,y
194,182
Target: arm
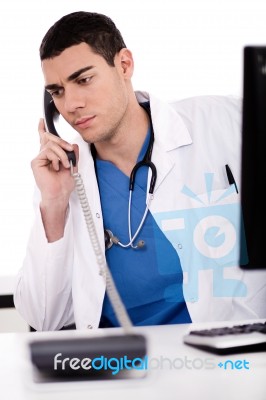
x,y
43,291
51,170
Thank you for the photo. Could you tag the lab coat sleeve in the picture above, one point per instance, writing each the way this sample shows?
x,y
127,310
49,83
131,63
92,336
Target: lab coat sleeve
x,y
43,289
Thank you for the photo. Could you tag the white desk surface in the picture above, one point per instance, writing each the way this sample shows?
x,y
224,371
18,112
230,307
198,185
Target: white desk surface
x,y
16,378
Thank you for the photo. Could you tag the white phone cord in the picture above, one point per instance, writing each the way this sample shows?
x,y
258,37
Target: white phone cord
x,y
114,297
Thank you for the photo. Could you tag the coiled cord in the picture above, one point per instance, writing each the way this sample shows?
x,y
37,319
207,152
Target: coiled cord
x,y
114,297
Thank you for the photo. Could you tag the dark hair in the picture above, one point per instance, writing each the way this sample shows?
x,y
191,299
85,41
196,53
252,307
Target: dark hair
x,y
97,30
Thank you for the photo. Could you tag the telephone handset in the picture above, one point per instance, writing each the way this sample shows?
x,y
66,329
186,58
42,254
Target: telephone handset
x,y
51,114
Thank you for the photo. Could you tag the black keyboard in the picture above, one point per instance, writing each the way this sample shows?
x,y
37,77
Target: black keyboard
x,y
244,338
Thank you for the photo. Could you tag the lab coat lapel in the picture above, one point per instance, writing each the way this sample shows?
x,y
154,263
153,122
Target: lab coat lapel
x,y
170,133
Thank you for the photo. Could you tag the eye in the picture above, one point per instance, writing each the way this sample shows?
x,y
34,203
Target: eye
x,y
84,80
56,93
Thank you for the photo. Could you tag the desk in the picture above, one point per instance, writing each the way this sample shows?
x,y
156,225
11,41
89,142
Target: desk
x,y
201,378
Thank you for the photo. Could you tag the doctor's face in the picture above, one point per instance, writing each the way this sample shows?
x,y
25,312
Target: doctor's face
x,y
91,95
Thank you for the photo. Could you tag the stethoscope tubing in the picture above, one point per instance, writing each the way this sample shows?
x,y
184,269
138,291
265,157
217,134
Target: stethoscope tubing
x,y
145,162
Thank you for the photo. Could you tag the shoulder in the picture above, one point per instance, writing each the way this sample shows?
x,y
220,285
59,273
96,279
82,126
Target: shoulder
x,y
209,110
206,104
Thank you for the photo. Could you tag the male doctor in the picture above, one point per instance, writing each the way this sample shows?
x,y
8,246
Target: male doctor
x,y
174,259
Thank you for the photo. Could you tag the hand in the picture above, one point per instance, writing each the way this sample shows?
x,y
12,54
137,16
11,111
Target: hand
x,y
51,167
51,170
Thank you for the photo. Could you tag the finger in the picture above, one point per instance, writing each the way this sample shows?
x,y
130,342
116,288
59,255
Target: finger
x,y
56,152
56,159
53,159
45,137
41,129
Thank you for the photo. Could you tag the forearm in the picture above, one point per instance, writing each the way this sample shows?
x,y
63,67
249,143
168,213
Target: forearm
x,y
54,216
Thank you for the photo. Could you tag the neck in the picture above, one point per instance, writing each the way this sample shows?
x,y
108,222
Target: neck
x,y
124,147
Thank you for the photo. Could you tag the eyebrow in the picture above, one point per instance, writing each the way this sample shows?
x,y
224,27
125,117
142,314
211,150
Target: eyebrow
x,y
70,78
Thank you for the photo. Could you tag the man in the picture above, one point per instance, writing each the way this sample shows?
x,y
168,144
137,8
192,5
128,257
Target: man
x,y
175,252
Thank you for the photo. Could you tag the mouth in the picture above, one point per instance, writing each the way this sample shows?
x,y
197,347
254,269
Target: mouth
x,y
85,122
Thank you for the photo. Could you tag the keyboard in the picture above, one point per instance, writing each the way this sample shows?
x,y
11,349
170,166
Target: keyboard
x,y
244,338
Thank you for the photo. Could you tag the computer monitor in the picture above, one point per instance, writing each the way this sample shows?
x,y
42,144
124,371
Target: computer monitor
x,y
253,175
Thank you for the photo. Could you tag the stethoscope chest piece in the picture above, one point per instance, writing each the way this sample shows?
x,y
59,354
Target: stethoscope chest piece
x,y
108,235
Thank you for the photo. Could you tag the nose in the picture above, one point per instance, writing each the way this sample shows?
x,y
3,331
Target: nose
x,y
73,100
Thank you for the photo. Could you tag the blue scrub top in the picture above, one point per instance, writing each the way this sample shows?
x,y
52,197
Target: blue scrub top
x,y
149,279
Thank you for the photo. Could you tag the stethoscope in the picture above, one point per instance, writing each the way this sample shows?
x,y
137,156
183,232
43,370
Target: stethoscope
x,y
110,238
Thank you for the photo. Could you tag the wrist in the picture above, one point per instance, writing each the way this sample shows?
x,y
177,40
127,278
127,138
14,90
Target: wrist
x,y
54,205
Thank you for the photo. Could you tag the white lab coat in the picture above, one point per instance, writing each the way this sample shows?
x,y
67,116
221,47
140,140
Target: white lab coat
x,y
60,283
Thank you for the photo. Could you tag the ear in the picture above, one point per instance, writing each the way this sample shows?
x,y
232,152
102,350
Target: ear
x,y
126,63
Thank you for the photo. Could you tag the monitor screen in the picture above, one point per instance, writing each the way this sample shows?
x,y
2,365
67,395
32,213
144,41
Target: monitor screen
x,y
253,175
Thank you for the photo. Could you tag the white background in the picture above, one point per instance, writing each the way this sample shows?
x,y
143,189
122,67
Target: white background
x,y
182,48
